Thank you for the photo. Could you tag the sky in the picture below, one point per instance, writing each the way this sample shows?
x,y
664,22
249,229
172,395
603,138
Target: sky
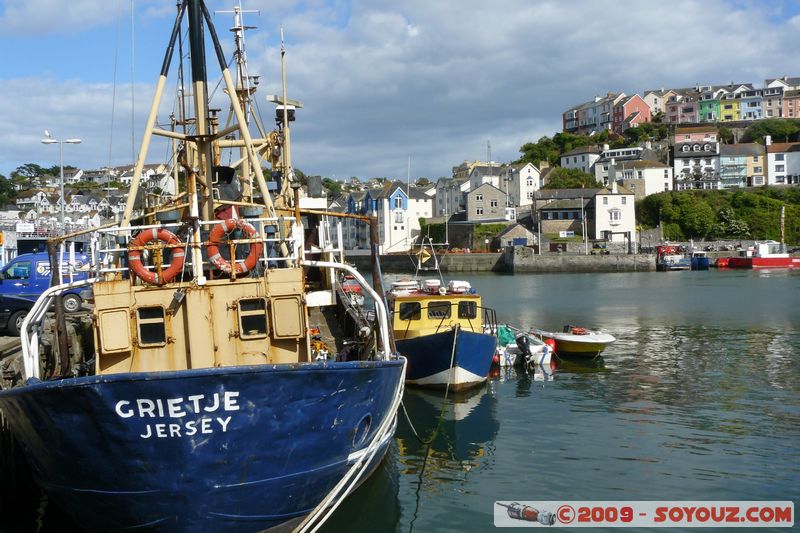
x,y
382,82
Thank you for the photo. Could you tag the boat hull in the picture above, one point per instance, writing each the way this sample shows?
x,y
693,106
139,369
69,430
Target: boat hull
x,y
582,345
429,359
234,449
764,262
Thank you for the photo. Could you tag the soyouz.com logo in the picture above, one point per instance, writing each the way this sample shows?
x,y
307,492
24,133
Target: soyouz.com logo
x,y
644,514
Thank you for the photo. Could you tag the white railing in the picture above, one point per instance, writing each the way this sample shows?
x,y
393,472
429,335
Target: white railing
x,y
29,332
103,254
380,308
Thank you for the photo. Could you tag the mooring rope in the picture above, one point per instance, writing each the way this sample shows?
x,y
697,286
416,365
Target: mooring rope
x,y
435,431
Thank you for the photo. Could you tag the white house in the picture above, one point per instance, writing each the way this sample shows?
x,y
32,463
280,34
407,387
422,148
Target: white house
x,y
641,177
582,158
696,165
614,214
521,182
783,163
485,173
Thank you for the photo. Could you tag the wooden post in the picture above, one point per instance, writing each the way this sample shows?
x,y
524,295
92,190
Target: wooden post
x,y
61,321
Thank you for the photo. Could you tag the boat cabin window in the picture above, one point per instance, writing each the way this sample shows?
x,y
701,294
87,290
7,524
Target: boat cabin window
x,y
410,311
439,309
253,318
467,309
152,328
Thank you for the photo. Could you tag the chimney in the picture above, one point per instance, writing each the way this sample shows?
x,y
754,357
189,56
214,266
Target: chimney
x,y
767,140
543,165
605,147
648,145
614,187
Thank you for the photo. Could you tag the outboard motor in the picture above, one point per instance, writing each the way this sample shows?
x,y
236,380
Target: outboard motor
x,y
524,345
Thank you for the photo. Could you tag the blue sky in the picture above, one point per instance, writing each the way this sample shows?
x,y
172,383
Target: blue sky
x,y
382,80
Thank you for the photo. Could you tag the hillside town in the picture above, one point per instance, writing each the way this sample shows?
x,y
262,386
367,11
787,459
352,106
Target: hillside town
x,y
516,197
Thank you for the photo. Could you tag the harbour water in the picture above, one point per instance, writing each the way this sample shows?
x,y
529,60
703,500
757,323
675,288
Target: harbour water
x,y
699,398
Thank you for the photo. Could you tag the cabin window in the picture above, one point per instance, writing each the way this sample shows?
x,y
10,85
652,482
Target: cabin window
x,y
253,318
439,310
410,311
152,327
467,309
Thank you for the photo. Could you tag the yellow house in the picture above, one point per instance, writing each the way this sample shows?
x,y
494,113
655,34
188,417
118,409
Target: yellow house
x,y
728,108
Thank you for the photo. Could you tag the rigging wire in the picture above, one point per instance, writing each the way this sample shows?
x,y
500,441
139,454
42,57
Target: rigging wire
x,y
114,83
133,81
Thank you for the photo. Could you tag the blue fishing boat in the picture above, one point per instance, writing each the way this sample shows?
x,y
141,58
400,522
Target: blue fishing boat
x,y
193,400
444,331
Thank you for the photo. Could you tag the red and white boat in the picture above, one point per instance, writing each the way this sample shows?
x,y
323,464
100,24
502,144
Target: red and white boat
x,y
767,254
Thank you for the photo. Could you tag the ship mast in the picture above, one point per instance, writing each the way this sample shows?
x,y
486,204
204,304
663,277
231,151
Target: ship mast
x,y
200,145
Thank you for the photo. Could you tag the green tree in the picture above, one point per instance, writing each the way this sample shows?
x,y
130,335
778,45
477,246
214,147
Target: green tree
x,y
726,135
7,191
333,186
570,178
28,171
781,130
423,182
542,150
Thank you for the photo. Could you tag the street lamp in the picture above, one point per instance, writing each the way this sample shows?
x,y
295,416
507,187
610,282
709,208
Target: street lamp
x,y
48,139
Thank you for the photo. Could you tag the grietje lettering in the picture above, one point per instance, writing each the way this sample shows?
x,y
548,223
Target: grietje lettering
x,y
175,411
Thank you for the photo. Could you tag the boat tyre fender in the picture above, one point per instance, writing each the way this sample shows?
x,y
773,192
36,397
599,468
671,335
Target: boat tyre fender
x,y
135,256
220,233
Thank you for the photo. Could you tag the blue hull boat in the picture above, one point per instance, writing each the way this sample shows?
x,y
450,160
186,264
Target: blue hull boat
x,y
430,357
235,449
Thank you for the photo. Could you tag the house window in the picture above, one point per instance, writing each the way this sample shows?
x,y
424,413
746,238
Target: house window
x,y
530,182
530,195
758,180
478,197
780,168
493,203
478,210
398,202
624,200
605,200
253,318
779,157
666,186
666,174
757,169
615,215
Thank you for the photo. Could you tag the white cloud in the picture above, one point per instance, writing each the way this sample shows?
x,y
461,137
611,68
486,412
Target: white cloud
x,y
435,80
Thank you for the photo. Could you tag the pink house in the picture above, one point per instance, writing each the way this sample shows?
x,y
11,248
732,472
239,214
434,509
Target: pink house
x,y
682,108
629,113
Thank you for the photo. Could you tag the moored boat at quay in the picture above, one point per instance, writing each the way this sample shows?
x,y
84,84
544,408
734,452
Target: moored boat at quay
x,y
440,330
766,254
200,405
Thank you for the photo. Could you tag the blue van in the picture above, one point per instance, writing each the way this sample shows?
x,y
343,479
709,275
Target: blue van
x,y
28,276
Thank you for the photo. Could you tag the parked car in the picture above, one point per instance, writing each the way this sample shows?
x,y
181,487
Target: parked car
x,y
28,276
13,311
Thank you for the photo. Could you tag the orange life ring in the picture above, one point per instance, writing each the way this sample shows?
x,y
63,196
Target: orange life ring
x,y
579,331
215,239
135,256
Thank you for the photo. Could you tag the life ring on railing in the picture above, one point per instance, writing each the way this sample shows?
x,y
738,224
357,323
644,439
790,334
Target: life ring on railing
x,y
579,331
135,256
222,229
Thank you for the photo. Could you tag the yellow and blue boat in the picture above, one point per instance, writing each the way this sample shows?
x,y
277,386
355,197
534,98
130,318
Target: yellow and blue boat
x,y
440,331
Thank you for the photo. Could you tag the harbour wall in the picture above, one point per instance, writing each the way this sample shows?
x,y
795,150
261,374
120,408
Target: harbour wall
x,y
518,259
